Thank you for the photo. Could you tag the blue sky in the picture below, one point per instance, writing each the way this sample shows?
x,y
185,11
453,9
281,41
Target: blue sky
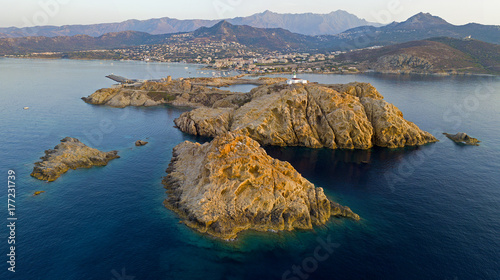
x,y
22,13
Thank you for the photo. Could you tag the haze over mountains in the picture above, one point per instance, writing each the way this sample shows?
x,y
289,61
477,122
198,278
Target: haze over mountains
x,y
307,24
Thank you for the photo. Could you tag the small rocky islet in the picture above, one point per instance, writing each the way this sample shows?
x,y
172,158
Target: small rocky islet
x,y
463,139
69,154
230,184
140,143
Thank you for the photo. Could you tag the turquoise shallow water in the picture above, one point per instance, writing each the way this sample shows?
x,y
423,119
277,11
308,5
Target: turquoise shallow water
x,y
428,213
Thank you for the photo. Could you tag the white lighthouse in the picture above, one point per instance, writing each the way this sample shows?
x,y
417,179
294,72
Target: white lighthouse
x,y
296,80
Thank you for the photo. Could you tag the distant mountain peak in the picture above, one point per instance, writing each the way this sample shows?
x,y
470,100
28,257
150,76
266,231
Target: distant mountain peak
x,y
338,12
423,20
266,12
423,15
222,28
222,23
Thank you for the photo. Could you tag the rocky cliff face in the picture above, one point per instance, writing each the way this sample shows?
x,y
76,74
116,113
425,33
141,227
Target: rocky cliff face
x,y
231,184
70,153
352,116
391,130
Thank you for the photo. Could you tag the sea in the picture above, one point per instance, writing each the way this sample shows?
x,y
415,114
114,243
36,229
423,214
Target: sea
x,y
431,212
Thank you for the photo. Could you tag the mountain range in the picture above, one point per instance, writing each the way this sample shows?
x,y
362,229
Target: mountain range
x,y
263,39
306,23
113,40
418,27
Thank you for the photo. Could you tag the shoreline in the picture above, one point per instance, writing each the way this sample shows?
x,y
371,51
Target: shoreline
x,y
392,73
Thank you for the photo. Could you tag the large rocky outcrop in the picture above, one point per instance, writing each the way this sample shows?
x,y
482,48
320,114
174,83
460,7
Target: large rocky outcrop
x,y
231,184
177,92
193,92
352,116
70,153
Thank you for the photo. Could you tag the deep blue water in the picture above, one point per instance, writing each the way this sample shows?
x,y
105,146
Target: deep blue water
x,y
427,213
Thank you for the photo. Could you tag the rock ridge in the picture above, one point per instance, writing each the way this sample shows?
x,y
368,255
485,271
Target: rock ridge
x,y
191,92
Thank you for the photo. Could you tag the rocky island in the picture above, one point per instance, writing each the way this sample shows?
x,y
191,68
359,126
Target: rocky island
x,y
69,154
230,185
351,116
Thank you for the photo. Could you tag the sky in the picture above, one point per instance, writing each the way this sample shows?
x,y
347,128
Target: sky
x,y
25,13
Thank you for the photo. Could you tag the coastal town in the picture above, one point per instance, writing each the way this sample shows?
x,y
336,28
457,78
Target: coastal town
x,y
220,55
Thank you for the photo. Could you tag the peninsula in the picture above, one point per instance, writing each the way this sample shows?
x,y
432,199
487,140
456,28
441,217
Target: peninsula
x,y
69,154
189,92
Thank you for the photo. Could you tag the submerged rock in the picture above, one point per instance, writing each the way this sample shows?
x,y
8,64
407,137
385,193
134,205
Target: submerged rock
x,y
70,153
463,138
230,184
352,116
